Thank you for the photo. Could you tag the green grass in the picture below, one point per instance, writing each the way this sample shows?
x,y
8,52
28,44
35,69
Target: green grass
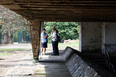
x,y
5,54
73,44
12,49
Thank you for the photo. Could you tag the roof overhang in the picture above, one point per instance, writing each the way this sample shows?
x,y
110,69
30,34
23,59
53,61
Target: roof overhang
x,y
63,10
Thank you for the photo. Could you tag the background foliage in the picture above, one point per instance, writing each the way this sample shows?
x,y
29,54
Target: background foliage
x,y
67,30
11,23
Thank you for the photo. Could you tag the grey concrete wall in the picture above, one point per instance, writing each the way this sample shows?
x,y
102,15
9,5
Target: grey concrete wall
x,y
110,33
91,36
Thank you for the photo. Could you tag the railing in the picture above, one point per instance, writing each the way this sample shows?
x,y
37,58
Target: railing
x,y
108,48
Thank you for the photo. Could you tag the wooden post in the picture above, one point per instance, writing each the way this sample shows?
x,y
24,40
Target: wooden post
x,y
35,30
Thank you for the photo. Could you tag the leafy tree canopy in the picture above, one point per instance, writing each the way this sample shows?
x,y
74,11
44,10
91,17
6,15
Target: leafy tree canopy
x,y
67,30
10,23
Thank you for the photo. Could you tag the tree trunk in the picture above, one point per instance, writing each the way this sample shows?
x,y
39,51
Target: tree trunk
x,y
0,38
6,41
11,39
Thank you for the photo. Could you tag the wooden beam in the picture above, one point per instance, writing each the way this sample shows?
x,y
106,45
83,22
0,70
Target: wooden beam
x,y
64,1
94,11
78,4
6,3
70,7
10,4
76,19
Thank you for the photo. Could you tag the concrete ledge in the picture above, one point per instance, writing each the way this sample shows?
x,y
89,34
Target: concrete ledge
x,y
82,67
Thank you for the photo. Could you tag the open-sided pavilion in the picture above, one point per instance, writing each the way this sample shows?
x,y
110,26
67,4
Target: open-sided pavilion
x,y
96,19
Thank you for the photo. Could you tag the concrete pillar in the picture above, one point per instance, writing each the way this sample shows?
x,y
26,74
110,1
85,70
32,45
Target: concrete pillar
x,y
80,40
91,36
42,25
35,30
109,34
103,37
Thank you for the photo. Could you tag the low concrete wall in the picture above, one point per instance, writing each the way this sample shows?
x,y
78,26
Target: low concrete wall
x,y
81,67
78,68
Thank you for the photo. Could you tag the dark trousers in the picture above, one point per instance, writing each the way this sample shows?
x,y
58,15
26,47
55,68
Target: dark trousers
x,y
55,48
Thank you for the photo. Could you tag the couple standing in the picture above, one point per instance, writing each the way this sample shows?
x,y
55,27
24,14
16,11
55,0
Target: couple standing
x,y
54,40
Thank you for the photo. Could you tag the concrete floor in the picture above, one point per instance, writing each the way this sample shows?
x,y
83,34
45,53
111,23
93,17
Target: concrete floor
x,y
26,67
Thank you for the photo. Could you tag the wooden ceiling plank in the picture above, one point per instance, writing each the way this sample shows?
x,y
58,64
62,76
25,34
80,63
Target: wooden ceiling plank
x,y
63,2
70,5
64,10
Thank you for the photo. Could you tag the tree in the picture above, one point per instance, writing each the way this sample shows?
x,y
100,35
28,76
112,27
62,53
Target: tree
x,y
67,30
11,22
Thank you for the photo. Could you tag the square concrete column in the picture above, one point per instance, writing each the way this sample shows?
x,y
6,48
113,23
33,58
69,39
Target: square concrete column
x,y
35,30
90,36
109,35
110,32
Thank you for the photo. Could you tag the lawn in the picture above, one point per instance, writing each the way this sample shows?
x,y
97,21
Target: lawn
x,y
12,49
73,44
2,53
5,54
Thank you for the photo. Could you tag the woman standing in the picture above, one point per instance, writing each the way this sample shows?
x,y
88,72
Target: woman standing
x,y
54,41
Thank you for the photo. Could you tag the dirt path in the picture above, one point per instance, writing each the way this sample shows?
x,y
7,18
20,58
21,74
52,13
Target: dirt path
x,y
27,46
9,62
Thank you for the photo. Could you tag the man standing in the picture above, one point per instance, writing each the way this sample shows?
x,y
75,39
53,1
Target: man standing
x,y
44,40
54,41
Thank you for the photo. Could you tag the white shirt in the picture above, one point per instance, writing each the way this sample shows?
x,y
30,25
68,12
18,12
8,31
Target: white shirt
x,y
54,35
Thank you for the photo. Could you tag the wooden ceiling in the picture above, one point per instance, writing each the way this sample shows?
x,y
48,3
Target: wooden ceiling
x,y
64,10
